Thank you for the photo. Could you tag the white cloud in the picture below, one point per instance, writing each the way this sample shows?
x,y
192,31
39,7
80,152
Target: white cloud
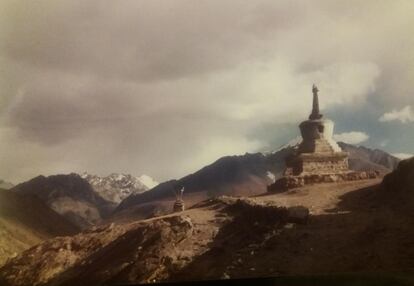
x,y
406,114
353,137
275,91
402,156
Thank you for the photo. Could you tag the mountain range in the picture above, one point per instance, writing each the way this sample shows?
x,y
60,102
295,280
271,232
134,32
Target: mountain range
x,y
84,199
69,195
363,158
243,175
87,199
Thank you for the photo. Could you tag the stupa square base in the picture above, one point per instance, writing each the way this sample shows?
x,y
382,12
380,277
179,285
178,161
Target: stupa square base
x,y
317,163
290,182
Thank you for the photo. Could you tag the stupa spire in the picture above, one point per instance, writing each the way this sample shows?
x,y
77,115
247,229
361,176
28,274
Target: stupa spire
x,y
315,105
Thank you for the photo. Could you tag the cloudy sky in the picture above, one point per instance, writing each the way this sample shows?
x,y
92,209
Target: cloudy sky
x,y
164,87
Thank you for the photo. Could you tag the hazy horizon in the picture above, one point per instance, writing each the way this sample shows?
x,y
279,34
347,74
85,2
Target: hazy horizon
x,y
164,88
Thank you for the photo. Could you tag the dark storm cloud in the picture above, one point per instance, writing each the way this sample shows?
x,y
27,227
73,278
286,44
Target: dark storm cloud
x,y
139,40
51,106
165,87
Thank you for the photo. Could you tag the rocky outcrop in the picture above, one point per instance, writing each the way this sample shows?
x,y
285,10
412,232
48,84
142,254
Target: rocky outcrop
x,y
402,178
399,185
135,253
265,212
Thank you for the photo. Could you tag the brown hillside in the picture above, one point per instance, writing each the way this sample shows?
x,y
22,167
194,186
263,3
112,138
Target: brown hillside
x,y
26,221
350,229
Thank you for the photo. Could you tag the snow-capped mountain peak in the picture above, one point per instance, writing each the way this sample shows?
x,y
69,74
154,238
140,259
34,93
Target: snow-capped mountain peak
x,y
148,181
116,187
294,143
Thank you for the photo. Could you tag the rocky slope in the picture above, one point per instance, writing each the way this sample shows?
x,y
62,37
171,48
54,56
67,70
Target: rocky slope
x,y
249,174
364,159
25,221
116,187
147,251
339,228
69,195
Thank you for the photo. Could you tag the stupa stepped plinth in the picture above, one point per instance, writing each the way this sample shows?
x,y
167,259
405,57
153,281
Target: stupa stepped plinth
x,y
318,152
318,158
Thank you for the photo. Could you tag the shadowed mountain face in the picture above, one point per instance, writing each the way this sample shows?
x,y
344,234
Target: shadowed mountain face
x,y
69,195
25,221
402,178
400,184
362,158
248,174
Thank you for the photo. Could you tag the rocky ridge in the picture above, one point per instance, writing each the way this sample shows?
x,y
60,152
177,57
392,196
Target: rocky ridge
x,y
365,159
243,175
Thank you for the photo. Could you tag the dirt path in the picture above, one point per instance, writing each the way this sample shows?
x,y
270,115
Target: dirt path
x,y
319,199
